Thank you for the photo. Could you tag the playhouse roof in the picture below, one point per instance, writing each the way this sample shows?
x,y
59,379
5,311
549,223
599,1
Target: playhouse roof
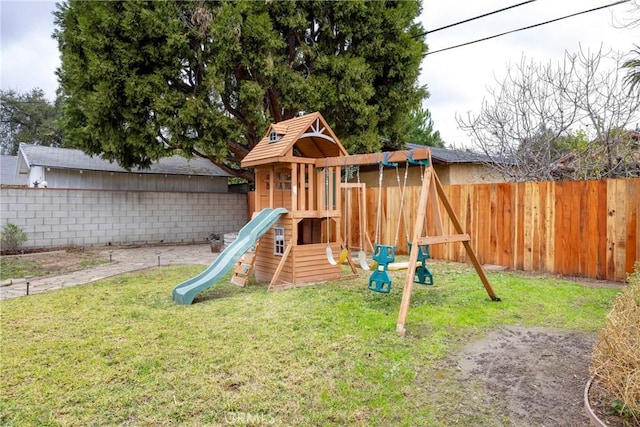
x,y
306,136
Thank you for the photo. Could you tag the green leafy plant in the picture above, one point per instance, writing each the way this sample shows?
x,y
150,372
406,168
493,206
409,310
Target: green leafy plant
x,y
621,409
12,236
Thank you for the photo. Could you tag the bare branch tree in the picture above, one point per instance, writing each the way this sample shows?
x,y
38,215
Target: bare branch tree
x,y
527,126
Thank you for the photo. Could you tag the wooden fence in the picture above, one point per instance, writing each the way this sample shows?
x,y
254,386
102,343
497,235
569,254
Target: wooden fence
x,y
586,228
583,228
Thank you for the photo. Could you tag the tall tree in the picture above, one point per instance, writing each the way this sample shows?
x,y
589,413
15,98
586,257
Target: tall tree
x,y
145,79
526,126
27,118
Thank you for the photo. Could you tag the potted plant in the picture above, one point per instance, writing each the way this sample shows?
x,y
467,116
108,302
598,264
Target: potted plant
x,y
612,395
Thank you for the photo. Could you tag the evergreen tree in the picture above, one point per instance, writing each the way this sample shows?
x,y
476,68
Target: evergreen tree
x,y
142,80
421,129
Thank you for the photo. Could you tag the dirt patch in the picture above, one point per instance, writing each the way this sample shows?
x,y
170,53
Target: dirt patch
x,y
57,262
537,375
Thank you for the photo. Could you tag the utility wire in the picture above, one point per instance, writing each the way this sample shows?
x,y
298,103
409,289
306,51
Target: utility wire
x,y
528,27
474,18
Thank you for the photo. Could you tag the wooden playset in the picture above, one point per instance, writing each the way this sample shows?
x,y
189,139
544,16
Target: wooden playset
x,y
298,166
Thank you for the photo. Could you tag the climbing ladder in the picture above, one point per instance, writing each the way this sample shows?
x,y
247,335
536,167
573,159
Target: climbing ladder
x,y
244,268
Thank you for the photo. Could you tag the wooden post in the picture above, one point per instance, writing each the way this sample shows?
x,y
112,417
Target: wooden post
x,y
413,255
467,244
294,187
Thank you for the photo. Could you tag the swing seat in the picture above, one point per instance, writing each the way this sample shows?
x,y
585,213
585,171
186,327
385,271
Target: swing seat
x,y
343,256
380,280
384,254
423,275
362,259
330,257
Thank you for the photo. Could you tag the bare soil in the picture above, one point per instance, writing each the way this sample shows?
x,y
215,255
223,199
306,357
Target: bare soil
x,y
536,375
47,263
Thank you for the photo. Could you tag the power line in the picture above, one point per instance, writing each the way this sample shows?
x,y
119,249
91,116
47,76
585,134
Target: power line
x,y
527,27
474,18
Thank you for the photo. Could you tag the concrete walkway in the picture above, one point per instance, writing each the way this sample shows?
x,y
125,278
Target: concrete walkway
x,y
124,260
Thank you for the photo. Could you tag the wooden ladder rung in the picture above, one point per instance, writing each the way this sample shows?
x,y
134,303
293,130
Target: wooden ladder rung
x,y
244,268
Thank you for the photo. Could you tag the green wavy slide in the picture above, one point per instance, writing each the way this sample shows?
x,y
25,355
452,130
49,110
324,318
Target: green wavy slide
x,y
185,292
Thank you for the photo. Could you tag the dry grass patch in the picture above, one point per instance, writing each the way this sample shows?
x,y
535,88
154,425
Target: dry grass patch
x,y
616,356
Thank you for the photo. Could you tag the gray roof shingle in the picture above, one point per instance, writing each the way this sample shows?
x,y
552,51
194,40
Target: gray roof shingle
x,y
446,155
8,165
66,158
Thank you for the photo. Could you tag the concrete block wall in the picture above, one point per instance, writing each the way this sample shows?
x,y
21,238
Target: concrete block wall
x,y
69,217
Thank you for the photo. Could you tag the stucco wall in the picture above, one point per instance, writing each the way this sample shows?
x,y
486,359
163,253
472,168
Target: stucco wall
x,y
64,217
456,173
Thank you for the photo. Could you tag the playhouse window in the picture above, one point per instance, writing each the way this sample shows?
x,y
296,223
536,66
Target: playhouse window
x,y
278,241
283,179
273,136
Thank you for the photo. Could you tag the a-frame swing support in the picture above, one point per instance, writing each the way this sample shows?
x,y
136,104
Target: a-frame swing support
x,y
431,187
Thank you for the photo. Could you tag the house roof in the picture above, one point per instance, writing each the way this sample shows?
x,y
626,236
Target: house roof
x,y
448,156
8,171
310,134
66,158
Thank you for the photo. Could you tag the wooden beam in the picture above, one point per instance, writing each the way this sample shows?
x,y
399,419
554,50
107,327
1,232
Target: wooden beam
x,y
352,265
279,159
467,244
294,187
375,158
413,255
436,240
285,255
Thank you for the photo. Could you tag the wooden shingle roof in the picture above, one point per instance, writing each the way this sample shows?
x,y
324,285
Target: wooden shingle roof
x,y
310,135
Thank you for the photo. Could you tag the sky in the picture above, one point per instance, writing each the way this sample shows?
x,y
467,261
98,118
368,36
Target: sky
x,y
457,79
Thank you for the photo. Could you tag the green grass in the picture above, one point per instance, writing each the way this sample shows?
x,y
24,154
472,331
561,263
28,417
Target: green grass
x,y
12,267
120,352
46,263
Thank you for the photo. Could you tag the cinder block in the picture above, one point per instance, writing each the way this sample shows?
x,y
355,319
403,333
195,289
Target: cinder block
x,y
51,221
60,242
68,234
59,214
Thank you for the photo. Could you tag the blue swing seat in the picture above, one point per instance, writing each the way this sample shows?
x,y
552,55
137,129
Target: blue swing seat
x,y
380,280
423,275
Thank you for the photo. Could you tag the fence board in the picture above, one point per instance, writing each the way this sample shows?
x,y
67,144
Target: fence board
x,y
584,228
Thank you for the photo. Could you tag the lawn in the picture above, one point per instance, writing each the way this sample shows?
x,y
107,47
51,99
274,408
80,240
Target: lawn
x,y
120,352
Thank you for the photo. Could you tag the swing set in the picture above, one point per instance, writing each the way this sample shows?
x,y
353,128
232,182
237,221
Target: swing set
x,y
431,193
